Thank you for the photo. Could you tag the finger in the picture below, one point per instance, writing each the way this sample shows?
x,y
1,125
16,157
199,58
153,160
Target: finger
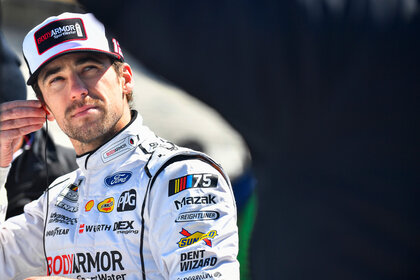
x,y
19,123
21,112
18,132
20,103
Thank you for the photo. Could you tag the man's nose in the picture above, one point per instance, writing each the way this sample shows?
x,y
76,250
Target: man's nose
x,y
78,87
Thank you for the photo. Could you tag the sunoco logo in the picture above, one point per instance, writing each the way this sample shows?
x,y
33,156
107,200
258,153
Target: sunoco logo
x,y
85,263
197,236
118,178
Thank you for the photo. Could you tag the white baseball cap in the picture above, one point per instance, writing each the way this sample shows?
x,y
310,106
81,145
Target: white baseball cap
x,y
66,33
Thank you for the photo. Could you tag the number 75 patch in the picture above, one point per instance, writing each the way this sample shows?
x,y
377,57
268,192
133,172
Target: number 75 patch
x,y
205,180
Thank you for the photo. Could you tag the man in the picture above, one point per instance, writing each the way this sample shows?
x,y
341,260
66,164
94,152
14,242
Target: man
x,y
138,207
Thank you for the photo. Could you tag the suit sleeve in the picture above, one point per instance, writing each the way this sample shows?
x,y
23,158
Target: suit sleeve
x,y
193,230
21,238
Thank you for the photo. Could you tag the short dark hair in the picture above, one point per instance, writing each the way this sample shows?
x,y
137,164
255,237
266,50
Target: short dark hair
x,y
114,63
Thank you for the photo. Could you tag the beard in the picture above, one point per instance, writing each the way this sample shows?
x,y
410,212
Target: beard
x,y
99,127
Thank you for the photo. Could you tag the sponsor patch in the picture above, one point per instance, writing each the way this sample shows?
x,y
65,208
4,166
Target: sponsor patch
x,y
195,200
192,181
61,219
120,227
127,201
197,216
57,231
120,148
118,178
89,205
195,260
107,205
85,263
197,236
58,32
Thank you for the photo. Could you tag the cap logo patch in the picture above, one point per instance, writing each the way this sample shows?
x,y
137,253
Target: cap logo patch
x,y
59,31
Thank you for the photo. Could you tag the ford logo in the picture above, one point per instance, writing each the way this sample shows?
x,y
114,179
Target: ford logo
x,y
118,178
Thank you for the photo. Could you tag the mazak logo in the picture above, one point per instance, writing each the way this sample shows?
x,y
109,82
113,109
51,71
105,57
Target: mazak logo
x,y
127,201
107,205
197,236
192,181
61,219
197,216
85,263
118,178
58,32
195,200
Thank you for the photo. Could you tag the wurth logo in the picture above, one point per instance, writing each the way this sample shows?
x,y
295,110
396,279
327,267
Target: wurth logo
x,y
94,228
85,263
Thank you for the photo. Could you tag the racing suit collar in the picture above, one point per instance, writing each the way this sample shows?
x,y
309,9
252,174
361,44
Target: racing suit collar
x,y
121,145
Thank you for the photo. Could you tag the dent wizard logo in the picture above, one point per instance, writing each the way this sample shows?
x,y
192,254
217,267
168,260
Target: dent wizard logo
x,y
197,236
118,178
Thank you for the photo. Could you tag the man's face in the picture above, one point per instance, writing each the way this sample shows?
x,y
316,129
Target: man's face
x,y
86,97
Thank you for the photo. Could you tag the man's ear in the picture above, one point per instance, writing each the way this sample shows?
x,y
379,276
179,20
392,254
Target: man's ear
x,y
127,75
47,110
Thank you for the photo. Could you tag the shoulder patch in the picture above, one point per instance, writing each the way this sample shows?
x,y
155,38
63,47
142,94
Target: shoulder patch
x,y
205,180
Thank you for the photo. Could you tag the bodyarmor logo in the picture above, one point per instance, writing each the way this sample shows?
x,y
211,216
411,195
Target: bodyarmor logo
x,y
85,263
127,201
58,32
197,236
107,205
118,178
192,181
192,200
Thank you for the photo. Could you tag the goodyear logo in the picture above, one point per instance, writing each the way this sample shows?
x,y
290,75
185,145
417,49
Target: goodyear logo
x,y
197,236
192,181
107,205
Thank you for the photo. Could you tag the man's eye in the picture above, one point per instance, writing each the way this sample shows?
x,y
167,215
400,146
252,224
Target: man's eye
x,y
89,68
55,79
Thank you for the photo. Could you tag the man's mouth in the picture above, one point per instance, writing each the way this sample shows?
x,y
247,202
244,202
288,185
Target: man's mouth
x,y
83,111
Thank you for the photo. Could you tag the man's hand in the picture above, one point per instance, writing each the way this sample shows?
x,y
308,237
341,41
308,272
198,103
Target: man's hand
x,y
18,118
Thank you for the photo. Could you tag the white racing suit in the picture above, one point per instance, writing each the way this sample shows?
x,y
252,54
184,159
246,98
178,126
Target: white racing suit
x,y
138,207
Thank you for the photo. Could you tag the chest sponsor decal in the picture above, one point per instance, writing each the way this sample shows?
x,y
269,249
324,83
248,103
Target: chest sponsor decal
x,y
85,263
89,205
197,216
120,148
107,205
57,231
195,200
67,199
59,31
127,201
118,178
206,180
197,236
120,227
202,275
61,219
196,259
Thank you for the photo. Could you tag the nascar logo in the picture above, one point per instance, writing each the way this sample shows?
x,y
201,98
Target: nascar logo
x,y
192,181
